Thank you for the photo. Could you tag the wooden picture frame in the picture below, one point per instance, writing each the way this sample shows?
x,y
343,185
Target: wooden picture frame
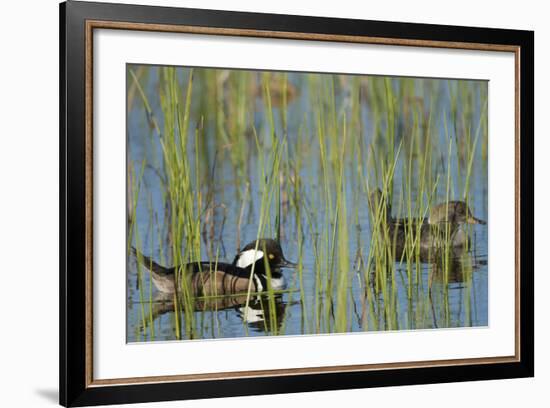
x,y
78,20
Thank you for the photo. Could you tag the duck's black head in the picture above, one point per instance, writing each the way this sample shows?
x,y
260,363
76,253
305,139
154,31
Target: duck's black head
x,y
257,250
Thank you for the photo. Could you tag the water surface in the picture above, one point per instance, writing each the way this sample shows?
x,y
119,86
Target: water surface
x,y
230,140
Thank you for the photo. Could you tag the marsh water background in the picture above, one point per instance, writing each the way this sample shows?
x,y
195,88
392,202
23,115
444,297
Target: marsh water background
x,y
366,132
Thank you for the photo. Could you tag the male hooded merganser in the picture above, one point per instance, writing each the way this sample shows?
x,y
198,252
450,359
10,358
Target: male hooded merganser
x,y
452,214
211,279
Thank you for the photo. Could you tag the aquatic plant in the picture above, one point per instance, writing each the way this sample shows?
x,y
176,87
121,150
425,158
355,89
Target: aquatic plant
x,y
227,156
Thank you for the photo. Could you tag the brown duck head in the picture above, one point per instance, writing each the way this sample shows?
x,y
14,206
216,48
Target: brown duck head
x,y
454,212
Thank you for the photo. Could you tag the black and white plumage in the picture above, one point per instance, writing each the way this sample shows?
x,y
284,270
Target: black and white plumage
x,y
212,279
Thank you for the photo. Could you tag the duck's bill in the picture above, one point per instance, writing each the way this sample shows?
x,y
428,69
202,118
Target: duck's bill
x,y
287,264
474,220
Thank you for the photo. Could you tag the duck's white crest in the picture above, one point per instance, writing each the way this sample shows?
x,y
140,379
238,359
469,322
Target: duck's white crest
x,y
248,257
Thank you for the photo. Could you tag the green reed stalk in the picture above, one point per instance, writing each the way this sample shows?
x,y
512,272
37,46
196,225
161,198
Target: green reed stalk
x,y
343,244
133,233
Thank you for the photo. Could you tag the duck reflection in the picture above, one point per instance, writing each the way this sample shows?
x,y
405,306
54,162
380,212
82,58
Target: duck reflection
x,y
454,275
262,314
456,269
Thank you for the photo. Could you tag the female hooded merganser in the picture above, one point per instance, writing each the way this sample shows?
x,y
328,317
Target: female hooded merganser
x,y
211,279
432,229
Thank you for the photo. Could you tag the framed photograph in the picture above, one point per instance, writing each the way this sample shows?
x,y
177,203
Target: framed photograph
x,y
256,204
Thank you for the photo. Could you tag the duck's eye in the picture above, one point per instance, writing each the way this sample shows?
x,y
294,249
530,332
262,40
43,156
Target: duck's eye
x,y
271,256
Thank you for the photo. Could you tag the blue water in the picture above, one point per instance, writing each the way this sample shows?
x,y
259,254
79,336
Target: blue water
x,y
464,302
